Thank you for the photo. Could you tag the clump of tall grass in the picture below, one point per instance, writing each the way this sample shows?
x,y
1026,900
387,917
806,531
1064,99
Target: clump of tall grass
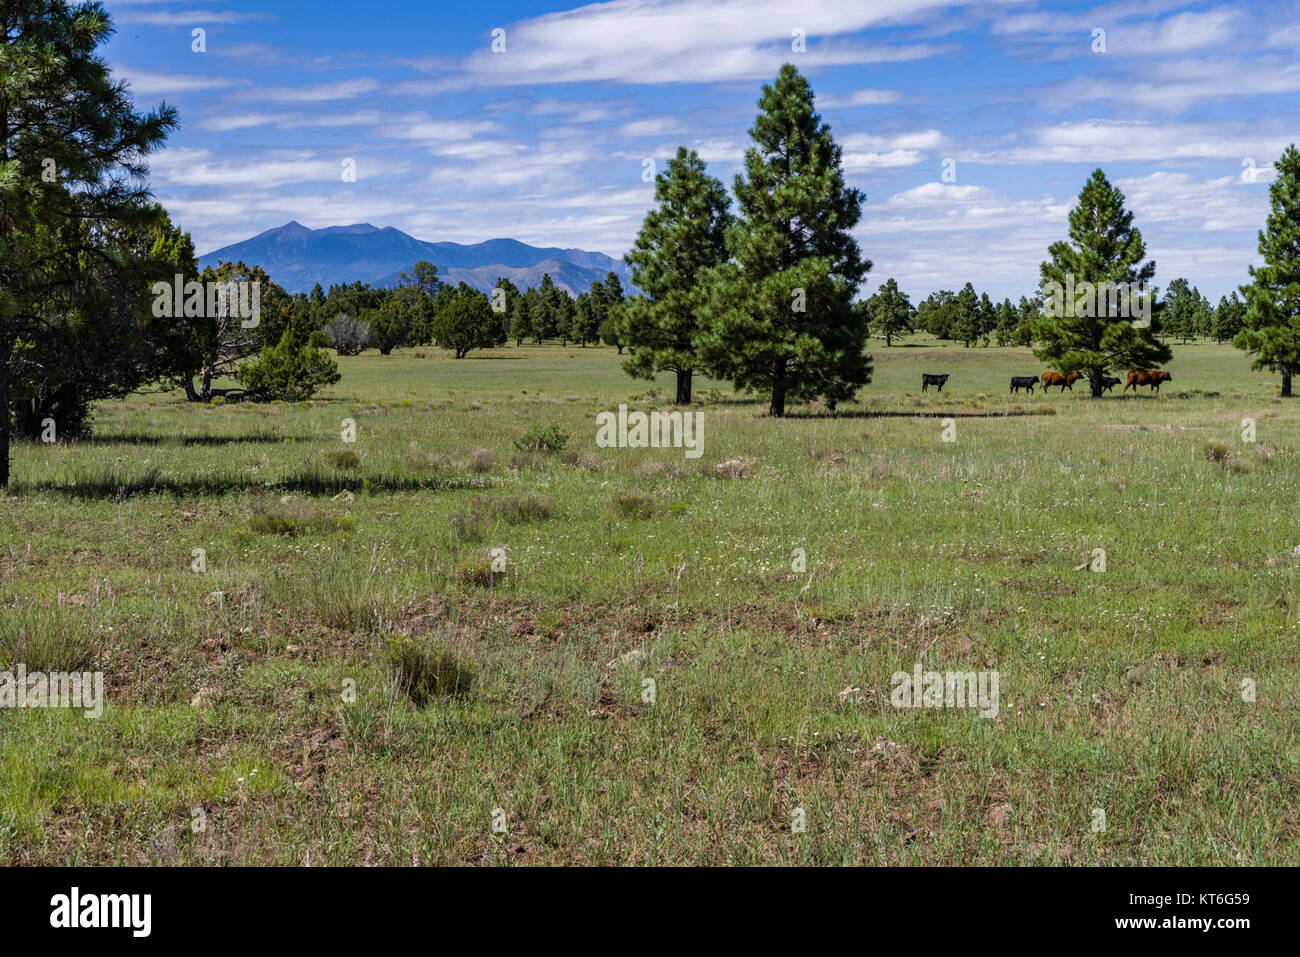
x,y
344,459
48,639
1215,451
336,595
522,509
633,505
477,574
466,526
482,460
423,669
294,519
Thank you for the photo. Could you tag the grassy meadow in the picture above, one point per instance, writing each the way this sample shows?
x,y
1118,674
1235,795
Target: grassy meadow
x,y
656,677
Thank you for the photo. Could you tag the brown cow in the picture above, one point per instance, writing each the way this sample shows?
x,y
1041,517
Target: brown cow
x,y
1064,381
1151,377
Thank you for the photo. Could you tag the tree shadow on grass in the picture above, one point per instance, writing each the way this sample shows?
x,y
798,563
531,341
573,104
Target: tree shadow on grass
x,y
145,438
109,486
918,414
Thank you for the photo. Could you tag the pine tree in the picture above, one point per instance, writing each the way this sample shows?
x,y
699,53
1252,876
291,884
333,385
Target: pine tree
x,y
1005,330
1202,315
682,237
506,294
781,314
1178,318
937,313
1103,247
607,298
585,322
1028,311
966,324
988,318
1271,326
521,316
467,322
72,166
889,311
1228,317
542,314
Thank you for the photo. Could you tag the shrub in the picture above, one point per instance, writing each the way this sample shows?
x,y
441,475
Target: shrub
x,y
343,459
482,460
548,438
291,370
423,670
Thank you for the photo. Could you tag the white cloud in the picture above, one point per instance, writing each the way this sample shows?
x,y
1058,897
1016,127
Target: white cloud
x,y
150,82
189,18
200,167
677,41
316,92
832,101
1111,141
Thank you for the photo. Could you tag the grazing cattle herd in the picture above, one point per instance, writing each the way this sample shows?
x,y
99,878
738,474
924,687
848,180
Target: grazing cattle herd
x,y
1148,377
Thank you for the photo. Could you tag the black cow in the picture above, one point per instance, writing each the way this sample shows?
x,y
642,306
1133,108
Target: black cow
x,y
1108,383
930,379
1019,382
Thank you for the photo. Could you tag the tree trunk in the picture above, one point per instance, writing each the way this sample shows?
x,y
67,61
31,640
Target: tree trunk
x,y
4,417
777,406
684,388
1286,389
888,341
1095,385
205,386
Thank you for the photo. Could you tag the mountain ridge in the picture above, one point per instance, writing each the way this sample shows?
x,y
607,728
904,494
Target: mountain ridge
x,y
297,257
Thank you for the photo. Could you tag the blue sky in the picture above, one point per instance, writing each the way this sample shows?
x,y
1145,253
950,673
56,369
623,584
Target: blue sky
x,y
546,141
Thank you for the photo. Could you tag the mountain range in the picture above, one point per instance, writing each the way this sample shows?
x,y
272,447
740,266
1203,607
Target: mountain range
x,y
297,258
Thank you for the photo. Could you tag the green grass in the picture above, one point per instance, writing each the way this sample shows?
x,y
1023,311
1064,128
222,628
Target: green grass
x,y
656,678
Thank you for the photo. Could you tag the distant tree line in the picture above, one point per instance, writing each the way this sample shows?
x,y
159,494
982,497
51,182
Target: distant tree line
x,y
974,319
424,310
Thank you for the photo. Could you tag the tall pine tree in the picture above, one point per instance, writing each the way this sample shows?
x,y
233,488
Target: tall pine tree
x,y
678,241
1103,247
1271,325
72,175
781,313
